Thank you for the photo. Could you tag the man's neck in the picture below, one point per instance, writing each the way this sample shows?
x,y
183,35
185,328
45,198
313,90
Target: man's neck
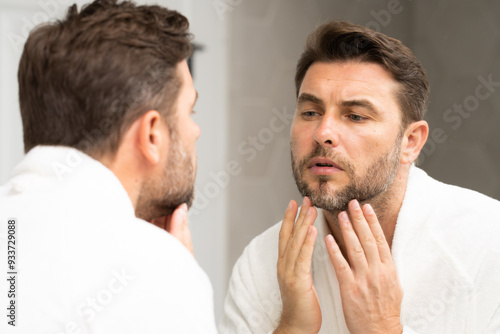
x,y
385,205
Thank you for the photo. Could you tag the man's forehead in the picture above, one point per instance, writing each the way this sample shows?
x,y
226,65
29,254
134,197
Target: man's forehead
x,y
355,71
349,80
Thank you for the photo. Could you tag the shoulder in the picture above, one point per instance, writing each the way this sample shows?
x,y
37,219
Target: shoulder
x,y
443,199
465,206
461,221
112,253
157,251
458,220
164,276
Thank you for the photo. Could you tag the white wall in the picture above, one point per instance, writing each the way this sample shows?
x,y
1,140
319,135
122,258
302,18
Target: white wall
x,y
12,22
208,224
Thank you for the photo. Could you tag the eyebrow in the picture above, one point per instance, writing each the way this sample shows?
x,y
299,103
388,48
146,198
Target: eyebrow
x,y
361,103
306,97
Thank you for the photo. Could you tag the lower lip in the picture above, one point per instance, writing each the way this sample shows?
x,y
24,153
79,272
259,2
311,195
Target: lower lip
x,y
317,170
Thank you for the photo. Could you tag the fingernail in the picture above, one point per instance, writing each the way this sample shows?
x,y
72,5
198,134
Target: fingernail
x,y
290,204
309,230
343,216
184,208
331,242
309,211
304,201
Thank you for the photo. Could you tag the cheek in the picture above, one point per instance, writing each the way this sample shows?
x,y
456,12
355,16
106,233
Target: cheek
x,y
301,136
380,142
364,150
296,143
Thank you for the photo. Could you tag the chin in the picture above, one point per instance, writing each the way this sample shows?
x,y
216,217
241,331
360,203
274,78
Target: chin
x,y
326,184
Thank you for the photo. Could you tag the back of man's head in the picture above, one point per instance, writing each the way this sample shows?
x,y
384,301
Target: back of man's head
x,y
85,79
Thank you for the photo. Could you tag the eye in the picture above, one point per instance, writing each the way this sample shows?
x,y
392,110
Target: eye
x,y
309,114
356,118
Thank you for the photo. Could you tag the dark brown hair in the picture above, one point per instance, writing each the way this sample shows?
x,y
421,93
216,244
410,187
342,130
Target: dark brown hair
x,y
342,41
85,79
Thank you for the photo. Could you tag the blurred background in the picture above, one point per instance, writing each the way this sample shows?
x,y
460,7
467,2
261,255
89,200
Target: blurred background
x,y
244,75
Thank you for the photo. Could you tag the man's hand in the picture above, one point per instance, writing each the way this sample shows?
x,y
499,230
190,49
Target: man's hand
x,y
177,225
301,312
369,285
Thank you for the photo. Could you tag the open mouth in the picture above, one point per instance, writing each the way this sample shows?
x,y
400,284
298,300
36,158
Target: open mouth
x,y
323,166
323,163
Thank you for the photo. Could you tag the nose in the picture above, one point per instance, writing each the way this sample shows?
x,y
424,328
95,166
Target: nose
x,y
326,133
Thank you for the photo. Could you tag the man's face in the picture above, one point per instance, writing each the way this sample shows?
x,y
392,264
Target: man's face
x,y
346,134
175,185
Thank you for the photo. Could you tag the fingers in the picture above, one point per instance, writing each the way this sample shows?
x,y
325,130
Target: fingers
x,y
287,227
296,242
307,216
341,266
304,258
301,312
378,234
364,233
355,251
363,237
291,224
369,286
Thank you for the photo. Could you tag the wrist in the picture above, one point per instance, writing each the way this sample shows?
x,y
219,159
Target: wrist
x,y
398,329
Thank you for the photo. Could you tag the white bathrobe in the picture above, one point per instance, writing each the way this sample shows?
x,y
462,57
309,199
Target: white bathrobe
x,y
446,248
85,263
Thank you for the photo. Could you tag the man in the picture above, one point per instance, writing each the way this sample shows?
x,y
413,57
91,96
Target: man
x,y
106,100
372,225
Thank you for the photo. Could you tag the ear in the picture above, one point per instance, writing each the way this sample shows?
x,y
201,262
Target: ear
x,y
152,137
414,139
